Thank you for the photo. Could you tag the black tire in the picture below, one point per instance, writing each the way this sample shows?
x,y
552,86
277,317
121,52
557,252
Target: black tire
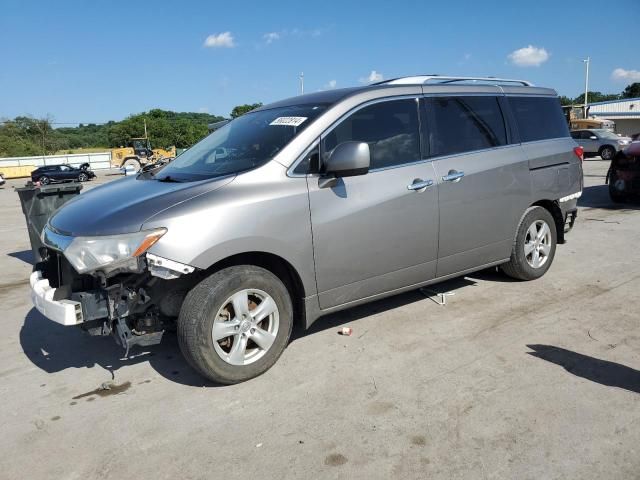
x,y
44,180
518,266
615,195
83,177
607,153
195,323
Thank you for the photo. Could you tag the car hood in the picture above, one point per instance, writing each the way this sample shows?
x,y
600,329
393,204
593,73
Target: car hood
x,y
122,206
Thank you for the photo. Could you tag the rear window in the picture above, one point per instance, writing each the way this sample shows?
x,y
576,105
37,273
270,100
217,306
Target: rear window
x,y
465,124
538,118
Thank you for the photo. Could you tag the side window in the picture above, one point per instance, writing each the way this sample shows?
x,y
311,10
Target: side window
x,y
310,163
576,135
465,124
539,118
391,129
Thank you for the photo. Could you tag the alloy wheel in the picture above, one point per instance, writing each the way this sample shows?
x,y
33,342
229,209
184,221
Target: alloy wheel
x,y
537,245
245,327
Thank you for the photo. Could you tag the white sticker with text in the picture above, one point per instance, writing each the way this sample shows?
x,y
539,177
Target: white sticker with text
x,y
289,121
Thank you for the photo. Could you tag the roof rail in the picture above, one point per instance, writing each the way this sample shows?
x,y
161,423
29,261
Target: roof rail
x,y
423,79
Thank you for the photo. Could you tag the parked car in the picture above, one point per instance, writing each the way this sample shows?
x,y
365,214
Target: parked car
x,y
623,176
600,142
312,205
62,173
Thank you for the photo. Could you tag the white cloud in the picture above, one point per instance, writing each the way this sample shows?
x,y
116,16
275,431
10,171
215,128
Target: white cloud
x,y
330,84
221,40
528,56
623,75
373,77
467,56
271,37
203,110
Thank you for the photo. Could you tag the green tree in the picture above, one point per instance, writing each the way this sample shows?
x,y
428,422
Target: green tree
x,y
25,136
596,97
242,109
565,100
632,91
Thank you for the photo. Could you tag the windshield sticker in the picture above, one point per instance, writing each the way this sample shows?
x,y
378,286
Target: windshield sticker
x,y
289,121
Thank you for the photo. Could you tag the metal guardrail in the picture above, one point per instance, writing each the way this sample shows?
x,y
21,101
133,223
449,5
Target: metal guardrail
x,y
97,161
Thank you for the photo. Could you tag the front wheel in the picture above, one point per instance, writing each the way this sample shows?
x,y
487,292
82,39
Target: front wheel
x,y
44,180
131,163
235,324
83,177
616,189
534,246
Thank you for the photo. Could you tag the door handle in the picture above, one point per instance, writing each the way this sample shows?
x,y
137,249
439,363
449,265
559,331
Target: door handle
x,y
453,176
419,185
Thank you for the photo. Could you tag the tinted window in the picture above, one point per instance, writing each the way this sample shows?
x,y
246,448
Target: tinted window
x,y
576,135
464,124
310,163
538,118
390,128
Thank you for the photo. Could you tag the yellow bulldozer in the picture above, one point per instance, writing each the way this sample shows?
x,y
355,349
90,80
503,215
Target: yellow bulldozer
x,y
139,153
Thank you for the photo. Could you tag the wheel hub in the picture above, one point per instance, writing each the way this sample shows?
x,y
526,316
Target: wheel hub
x,y
245,327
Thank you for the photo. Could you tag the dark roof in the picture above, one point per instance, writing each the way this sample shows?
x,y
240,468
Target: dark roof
x,y
327,97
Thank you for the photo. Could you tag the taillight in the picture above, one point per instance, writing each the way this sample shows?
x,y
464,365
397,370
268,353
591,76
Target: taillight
x,y
579,151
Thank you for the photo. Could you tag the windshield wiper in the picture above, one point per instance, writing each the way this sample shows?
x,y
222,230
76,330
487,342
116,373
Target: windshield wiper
x,y
169,179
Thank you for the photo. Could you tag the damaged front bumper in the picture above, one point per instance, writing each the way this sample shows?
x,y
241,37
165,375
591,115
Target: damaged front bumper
x,y
43,296
135,307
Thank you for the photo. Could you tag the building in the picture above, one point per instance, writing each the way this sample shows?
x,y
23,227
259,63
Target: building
x,y
624,112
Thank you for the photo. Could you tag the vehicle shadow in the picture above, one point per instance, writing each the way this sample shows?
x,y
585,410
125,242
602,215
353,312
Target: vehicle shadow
x,y
597,196
53,348
25,255
337,319
606,373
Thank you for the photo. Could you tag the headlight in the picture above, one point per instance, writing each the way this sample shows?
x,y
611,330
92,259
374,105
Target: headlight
x,y
87,254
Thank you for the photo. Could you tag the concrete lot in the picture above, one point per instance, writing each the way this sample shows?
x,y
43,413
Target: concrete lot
x,y
508,380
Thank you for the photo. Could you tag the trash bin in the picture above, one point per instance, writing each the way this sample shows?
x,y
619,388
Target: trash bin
x,y
39,203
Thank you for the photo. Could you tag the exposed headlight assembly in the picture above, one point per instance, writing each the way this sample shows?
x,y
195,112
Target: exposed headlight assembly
x,y
109,252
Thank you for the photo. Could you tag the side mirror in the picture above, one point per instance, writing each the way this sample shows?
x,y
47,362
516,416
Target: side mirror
x,y
593,137
346,160
349,159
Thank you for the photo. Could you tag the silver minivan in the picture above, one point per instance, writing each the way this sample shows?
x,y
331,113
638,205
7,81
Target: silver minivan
x,y
312,205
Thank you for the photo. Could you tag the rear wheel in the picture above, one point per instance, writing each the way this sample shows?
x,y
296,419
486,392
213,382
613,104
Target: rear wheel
x,y
235,324
607,153
44,180
534,247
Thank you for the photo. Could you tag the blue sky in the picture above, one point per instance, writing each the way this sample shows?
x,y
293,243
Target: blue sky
x,y
93,61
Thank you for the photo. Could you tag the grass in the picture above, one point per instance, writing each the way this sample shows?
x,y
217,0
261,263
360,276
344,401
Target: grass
x,y
71,151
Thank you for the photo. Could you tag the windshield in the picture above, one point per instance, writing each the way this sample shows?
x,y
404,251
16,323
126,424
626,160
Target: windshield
x,y
245,143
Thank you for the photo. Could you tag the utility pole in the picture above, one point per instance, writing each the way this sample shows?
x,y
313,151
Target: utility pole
x,y
301,83
586,86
